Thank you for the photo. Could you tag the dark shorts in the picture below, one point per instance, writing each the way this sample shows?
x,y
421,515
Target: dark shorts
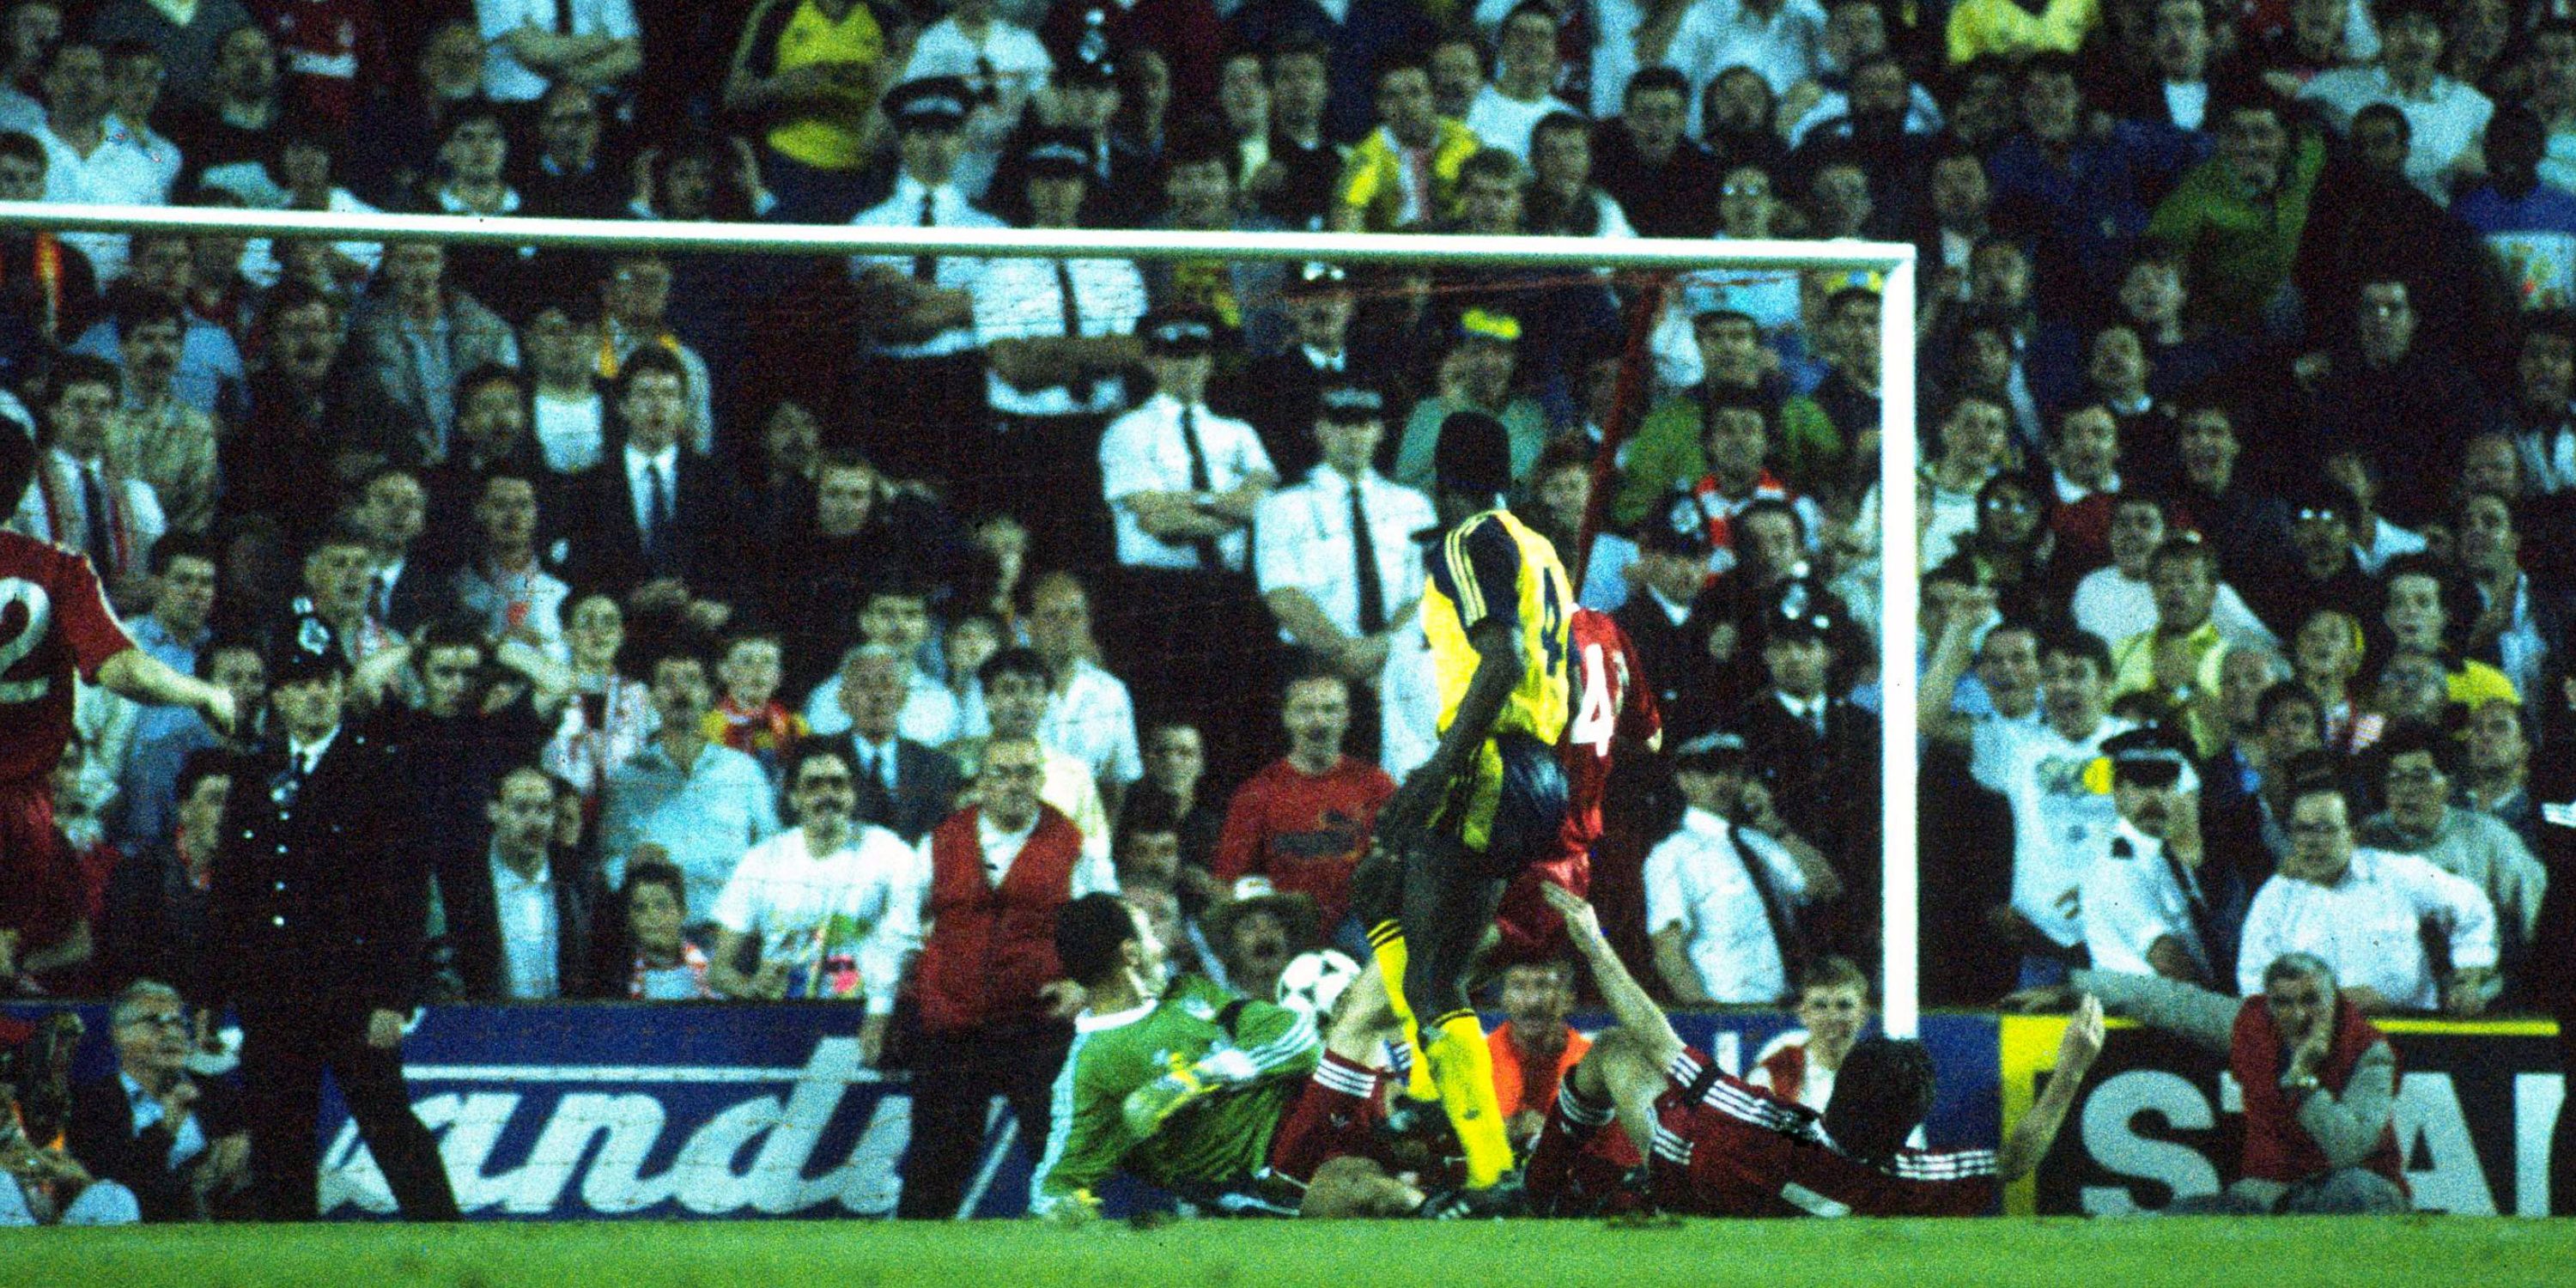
x,y
40,894
1508,809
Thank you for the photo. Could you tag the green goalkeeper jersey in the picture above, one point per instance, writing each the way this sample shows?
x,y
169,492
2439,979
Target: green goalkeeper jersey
x,y
1216,1141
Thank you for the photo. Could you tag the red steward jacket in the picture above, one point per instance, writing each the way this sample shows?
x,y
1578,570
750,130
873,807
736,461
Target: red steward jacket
x,y
990,948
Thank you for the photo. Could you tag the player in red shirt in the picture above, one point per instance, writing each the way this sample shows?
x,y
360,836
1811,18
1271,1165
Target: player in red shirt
x,y
1719,1146
1612,704
55,624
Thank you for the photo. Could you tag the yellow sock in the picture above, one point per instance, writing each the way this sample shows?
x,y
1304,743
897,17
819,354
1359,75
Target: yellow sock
x,y
1464,1069
1387,939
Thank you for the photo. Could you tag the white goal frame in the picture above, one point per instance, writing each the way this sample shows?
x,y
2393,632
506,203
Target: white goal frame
x,y
1895,261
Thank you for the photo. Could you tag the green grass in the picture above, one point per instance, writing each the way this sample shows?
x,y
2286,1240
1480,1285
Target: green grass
x,y
2059,1253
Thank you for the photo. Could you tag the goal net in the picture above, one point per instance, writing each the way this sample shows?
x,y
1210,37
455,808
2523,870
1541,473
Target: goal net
x,y
954,442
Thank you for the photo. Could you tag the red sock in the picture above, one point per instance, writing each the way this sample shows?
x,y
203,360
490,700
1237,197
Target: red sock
x,y
1571,1123
1336,1115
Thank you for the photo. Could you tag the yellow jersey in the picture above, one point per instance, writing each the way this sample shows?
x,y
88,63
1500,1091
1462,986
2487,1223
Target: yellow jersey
x,y
1489,564
829,135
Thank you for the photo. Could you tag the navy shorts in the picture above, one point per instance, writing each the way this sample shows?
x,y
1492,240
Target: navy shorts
x,y
1509,807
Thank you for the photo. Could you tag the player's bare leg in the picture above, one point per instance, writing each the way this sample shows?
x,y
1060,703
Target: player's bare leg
x,y
1365,1021
1615,1082
1621,1072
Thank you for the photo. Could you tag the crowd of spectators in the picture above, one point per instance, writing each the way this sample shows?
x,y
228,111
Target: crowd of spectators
x,y
700,594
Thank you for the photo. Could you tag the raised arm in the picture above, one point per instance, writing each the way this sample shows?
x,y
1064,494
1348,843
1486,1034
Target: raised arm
x,y
2037,1130
1933,717
1635,1011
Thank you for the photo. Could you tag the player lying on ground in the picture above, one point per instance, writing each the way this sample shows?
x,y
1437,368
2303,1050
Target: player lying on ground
x,y
1235,1105
1716,1145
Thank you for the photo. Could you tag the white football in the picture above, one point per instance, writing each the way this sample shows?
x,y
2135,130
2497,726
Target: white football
x,y
1314,981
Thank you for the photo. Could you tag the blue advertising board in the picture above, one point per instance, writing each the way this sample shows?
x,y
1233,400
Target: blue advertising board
x,y
586,1111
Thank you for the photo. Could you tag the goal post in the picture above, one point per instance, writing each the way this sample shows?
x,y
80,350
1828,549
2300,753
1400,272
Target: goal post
x,y
1894,262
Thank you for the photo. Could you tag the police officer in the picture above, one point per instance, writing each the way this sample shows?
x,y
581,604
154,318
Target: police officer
x,y
1183,484
319,903
923,381
1059,335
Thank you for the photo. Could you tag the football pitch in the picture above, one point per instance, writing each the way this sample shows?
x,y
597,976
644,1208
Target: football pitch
x,y
2493,1253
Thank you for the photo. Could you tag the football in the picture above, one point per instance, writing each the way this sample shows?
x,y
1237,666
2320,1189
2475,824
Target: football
x,y
1314,981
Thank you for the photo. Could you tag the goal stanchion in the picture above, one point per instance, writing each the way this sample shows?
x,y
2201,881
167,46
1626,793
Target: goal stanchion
x,y
1893,262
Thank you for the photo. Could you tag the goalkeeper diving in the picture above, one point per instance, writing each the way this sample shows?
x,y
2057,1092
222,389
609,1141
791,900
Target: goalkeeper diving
x,y
1239,1107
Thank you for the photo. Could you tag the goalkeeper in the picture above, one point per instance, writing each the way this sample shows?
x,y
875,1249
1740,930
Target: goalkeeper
x,y
1235,1105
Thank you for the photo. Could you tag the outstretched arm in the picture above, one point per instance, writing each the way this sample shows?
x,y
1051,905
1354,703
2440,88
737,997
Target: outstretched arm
x,y
1636,1012
2037,1130
144,678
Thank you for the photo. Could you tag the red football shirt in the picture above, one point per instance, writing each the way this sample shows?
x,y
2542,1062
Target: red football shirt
x,y
1724,1147
1304,832
1611,700
323,48
54,621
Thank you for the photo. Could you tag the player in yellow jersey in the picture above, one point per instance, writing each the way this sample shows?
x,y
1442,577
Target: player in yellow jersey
x,y
1492,796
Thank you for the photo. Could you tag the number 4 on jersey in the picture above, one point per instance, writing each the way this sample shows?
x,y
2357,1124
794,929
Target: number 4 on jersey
x,y
1596,717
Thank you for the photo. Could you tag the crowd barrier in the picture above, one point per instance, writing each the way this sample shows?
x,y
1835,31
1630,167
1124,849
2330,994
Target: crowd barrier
x,y
585,1111
590,1111
2162,1118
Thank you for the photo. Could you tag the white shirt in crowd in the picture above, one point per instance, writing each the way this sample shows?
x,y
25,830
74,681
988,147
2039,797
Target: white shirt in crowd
x,y
1696,879
1504,123
505,602
113,174
159,152
1022,298
2133,896
1303,541
1693,48
530,966
801,906
2387,541
2369,926
948,209
1786,48
1143,451
505,78
2060,823
58,481
1092,719
2450,119
569,433
931,715
2115,608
